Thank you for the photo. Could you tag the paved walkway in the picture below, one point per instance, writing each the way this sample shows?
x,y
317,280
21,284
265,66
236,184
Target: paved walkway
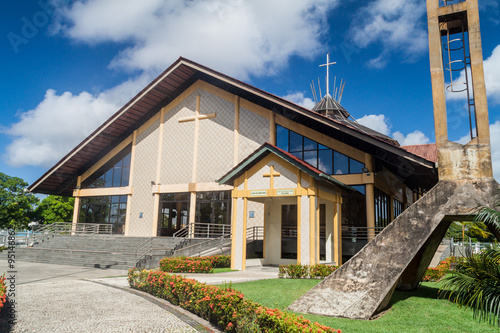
x,y
62,298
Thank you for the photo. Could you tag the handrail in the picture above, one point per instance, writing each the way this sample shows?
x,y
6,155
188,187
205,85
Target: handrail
x,y
46,231
203,230
144,250
205,246
360,233
255,233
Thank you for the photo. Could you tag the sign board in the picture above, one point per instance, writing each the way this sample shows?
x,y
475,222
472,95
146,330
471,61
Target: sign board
x,y
258,193
285,192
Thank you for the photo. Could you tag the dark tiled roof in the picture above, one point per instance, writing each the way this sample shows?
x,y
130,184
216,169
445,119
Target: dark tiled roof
x,y
427,151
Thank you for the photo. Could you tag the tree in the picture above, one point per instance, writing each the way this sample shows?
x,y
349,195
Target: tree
x,y
475,283
56,209
16,205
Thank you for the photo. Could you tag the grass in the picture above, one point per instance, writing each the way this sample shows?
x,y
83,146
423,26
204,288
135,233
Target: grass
x,y
223,270
418,311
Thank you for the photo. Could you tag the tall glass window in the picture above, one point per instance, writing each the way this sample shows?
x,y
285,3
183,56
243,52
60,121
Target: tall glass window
x,y
325,159
213,207
104,210
114,173
382,212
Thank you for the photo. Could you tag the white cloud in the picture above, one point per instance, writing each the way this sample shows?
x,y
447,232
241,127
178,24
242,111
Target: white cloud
x,y
238,37
414,138
491,77
381,124
299,99
378,123
46,133
396,25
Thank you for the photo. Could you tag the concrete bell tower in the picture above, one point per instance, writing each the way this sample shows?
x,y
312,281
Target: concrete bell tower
x,y
455,48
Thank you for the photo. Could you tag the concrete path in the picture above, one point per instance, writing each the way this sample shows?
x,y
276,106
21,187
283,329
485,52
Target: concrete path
x,y
63,298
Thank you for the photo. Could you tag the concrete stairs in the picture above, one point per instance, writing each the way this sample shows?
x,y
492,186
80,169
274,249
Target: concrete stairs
x,y
399,255
101,251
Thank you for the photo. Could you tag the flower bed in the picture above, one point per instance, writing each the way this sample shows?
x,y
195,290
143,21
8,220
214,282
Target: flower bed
x,y
436,273
224,307
305,271
194,264
3,292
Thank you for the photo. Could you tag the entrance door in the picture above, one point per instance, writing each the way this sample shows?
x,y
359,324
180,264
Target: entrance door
x,y
173,217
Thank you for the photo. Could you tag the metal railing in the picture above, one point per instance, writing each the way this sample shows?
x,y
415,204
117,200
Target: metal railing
x,y
255,233
203,230
144,251
203,248
355,234
46,231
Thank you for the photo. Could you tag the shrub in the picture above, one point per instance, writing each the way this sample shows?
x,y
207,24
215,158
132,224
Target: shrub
x,y
3,292
222,306
186,265
219,261
297,271
436,273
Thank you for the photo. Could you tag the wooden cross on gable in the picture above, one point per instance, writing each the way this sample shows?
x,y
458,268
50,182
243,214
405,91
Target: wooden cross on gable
x,y
196,118
271,175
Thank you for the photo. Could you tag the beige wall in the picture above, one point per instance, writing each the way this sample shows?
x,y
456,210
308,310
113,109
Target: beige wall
x,y
142,201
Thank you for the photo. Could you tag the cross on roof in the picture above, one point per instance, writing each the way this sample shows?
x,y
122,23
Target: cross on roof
x,y
328,64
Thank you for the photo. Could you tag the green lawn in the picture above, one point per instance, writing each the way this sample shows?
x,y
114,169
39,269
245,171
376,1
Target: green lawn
x,y
418,311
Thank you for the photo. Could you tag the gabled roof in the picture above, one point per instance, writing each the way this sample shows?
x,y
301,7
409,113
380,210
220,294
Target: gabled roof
x,y
61,178
266,149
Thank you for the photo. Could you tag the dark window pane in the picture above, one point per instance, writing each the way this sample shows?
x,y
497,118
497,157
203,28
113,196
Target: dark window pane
x,y
125,176
340,163
359,188
298,154
126,161
325,161
117,176
320,146
355,166
311,157
282,137
295,142
310,144
109,178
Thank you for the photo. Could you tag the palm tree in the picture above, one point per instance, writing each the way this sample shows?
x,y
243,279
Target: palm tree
x,y
475,283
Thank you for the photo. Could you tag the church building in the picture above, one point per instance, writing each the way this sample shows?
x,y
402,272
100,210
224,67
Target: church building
x,y
200,154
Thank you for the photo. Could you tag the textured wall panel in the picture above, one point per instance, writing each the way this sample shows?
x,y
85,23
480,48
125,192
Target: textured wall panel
x,y
215,145
258,182
258,209
254,131
178,139
287,179
146,152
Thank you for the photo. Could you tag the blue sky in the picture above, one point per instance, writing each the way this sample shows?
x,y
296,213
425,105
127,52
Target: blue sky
x,y
68,65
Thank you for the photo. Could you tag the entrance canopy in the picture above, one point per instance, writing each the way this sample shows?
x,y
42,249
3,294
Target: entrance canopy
x,y
292,193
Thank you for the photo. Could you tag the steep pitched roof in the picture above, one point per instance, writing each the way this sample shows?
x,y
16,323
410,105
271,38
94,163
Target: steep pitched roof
x,y
61,178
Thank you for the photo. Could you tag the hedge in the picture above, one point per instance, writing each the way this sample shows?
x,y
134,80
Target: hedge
x,y
3,292
223,306
436,273
194,264
297,271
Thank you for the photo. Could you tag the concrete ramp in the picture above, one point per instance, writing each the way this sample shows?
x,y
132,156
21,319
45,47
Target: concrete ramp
x,y
398,256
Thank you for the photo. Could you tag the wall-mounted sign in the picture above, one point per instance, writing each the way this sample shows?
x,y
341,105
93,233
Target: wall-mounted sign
x,y
258,193
285,192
